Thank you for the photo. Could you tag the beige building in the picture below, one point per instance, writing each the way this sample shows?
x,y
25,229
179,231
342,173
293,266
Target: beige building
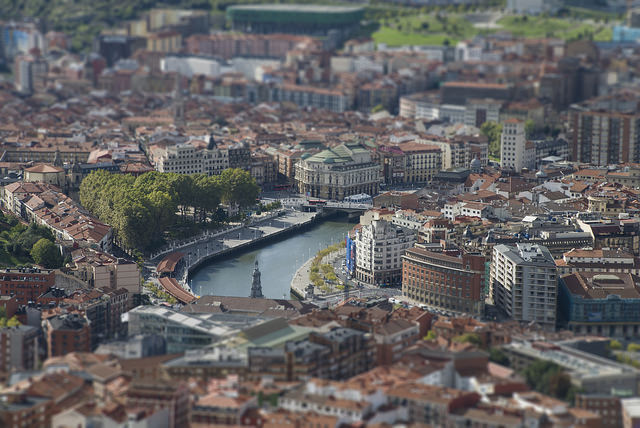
x,y
46,174
455,153
102,270
190,158
338,172
423,161
164,41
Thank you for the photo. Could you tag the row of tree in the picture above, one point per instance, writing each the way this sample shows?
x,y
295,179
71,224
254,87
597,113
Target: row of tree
x,y
141,209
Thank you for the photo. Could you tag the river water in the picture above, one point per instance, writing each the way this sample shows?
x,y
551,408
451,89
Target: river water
x,y
278,263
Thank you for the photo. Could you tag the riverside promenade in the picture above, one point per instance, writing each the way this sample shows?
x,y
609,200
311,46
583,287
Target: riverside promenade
x,y
204,248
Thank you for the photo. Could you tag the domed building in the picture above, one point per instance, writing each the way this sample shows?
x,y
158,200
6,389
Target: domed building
x,y
338,172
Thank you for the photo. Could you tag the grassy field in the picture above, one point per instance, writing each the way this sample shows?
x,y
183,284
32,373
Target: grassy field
x,y
393,37
554,27
425,29
429,29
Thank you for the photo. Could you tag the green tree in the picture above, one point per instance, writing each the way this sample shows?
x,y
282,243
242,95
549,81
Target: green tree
x,y
46,253
492,131
529,128
13,322
499,357
237,186
633,347
471,338
615,345
431,335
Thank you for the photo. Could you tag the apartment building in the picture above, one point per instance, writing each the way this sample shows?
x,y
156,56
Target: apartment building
x,y
67,333
231,45
444,282
187,158
423,161
311,96
379,249
26,284
606,130
523,283
590,260
18,349
513,145
102,270
454,153
338,172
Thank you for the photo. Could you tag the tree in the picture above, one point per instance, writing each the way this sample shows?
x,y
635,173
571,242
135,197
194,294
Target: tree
x,y
559,385
471,338
237,186
615,345
431,335
46,253
492,131
633,347
529,128
13,322
499,357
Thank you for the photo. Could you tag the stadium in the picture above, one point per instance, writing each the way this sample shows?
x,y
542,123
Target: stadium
x,y
313,20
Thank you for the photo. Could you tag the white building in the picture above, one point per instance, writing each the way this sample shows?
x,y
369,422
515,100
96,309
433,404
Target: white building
x,y
452,113
524,283
513,145
466,51
379,249
466,209
190,65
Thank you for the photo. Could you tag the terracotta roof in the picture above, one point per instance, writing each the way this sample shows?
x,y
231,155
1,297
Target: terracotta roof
x,y
172,287
44,168
168,264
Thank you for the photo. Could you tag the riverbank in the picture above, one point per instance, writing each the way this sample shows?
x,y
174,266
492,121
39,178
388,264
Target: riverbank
x,y
300,280
278,260
303,276
263,232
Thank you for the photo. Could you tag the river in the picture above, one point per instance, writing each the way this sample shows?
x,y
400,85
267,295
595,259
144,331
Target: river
x,y
278,263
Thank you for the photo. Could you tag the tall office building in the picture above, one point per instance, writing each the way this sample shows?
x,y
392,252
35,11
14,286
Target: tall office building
x,y
513,145
524,283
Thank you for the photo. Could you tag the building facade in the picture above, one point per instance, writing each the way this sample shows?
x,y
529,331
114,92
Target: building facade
x,y
26,283
444,282
338,172
523,283
602,303
379,249
513,145
18,348
606,130
188,159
